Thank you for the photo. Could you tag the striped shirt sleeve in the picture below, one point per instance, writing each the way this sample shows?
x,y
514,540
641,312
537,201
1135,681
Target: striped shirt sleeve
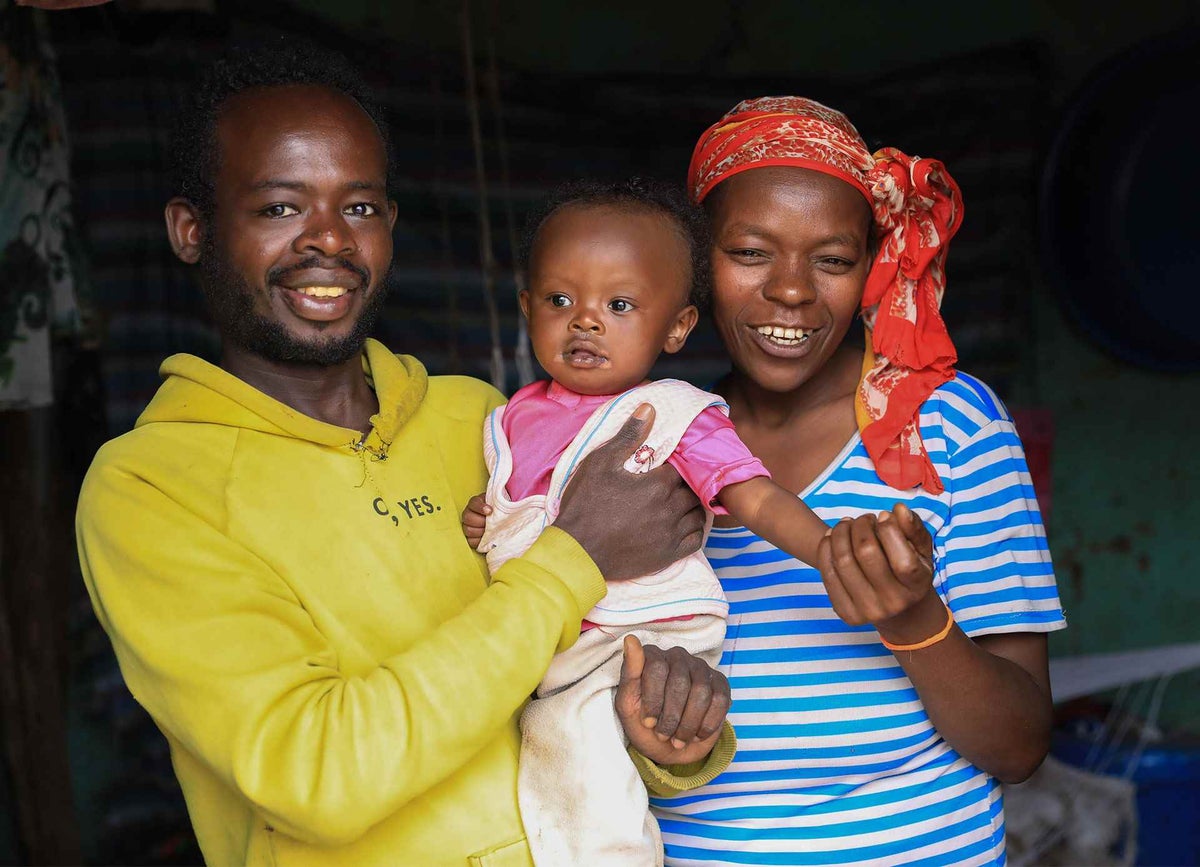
x,y
993,562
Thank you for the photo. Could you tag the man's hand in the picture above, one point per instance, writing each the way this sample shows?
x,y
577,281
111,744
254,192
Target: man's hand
x,y
630,525
670,703
474,520
879,570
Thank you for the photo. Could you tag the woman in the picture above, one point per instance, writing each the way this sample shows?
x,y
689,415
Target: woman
x,y
877,712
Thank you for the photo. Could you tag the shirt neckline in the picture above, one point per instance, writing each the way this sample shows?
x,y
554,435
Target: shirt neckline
x,y
811,487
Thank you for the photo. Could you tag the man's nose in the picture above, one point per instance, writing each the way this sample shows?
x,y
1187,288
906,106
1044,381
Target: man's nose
x,y
328,234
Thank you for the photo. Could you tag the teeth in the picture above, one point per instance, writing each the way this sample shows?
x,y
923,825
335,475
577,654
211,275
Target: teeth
x,y
786,336
323,291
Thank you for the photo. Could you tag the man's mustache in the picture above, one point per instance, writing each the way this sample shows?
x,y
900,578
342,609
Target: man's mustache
x,y
279,272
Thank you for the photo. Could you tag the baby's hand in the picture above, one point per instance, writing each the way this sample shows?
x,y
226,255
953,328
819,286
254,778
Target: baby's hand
x,y
474,520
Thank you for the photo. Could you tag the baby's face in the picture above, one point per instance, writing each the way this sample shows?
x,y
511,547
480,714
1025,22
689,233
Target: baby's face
x,y
607,293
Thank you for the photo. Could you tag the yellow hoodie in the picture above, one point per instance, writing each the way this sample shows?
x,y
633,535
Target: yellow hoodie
x,y
300,614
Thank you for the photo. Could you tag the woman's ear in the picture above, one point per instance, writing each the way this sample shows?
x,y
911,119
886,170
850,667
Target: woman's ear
x,y
682,327
184,229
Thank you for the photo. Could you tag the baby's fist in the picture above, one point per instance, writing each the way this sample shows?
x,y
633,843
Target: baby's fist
x,y
474,520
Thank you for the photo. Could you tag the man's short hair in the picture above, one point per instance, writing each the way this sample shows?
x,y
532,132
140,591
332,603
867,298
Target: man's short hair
x,y
277,62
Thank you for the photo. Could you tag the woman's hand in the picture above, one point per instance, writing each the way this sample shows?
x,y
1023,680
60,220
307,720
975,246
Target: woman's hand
x,y
671,704
989,698
474,520
879,570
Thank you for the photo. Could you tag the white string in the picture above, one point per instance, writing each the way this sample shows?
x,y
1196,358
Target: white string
x,y
521,355
487,260
449,286
1106,746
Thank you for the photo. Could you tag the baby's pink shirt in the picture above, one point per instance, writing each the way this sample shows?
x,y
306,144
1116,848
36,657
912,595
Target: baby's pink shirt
x,y
541,420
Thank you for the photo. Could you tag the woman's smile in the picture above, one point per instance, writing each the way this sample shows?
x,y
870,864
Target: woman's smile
x,y
784,341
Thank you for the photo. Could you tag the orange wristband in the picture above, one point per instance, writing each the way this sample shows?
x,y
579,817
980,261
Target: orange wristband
x,y
928,642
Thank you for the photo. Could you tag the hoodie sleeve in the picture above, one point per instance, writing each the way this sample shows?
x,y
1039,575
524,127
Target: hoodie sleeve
x,y
322,756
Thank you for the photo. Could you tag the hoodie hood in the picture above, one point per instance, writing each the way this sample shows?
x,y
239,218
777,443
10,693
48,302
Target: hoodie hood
x,y
198,392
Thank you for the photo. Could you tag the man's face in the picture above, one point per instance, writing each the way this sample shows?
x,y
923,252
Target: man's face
x,y
295,254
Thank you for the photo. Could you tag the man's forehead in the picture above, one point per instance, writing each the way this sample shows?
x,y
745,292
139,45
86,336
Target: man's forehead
x,y
296,107
285,133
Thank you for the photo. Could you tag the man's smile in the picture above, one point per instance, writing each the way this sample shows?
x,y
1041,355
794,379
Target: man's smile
x,y
318,303
318,294
323,291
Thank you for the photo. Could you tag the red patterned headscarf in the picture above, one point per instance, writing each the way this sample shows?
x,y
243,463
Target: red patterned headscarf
x,y
917,207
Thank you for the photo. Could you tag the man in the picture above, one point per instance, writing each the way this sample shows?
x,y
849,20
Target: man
x,y
275,549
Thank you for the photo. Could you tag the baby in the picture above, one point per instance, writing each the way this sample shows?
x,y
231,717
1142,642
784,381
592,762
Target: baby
x,y
616,274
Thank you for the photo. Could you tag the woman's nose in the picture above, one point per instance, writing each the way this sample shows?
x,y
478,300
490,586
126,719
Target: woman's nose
x,y
790,284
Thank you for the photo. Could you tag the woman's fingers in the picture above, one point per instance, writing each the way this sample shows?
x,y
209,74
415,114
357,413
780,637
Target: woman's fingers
x,y
912,569
880,570
915,529
869,553
841,600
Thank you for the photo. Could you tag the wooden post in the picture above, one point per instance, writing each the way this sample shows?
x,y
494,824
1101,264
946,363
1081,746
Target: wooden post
x,y
36,568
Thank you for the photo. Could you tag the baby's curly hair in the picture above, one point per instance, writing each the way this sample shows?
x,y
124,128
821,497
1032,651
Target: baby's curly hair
x,y
276,62
637,194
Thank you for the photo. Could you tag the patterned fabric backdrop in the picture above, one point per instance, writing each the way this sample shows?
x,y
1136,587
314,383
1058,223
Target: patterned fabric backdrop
x,y
981,114
37,240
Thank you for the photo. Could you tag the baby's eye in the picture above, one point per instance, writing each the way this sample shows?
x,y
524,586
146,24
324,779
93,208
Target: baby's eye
x,y
279,210
619,305
362,209
559,300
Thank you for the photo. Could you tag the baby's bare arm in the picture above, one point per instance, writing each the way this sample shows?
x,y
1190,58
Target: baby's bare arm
x,y
777,515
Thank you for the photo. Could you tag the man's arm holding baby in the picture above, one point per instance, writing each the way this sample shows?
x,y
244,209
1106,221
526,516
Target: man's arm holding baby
x,y
214,642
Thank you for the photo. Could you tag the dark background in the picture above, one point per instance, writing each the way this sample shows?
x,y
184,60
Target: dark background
x,y
1106,403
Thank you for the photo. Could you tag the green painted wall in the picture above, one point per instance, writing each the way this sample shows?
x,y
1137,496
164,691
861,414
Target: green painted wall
x,y
1125,511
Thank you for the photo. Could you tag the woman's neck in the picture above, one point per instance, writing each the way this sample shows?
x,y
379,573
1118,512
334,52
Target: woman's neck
x,y
797,434
835,382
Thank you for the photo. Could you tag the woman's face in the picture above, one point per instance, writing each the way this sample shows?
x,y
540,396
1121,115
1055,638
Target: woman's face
x,y
790,260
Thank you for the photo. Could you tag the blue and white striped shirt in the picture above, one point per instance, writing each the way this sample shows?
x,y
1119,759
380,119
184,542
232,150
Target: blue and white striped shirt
x,y
837,760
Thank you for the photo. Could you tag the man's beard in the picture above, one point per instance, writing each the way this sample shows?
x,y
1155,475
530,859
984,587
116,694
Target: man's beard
x,y
230,302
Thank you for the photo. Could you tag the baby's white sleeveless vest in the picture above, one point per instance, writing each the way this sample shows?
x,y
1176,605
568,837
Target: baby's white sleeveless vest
x,y
686,587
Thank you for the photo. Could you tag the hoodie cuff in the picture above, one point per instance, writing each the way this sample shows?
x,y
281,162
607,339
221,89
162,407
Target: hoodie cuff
x,y
667,781
558,553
